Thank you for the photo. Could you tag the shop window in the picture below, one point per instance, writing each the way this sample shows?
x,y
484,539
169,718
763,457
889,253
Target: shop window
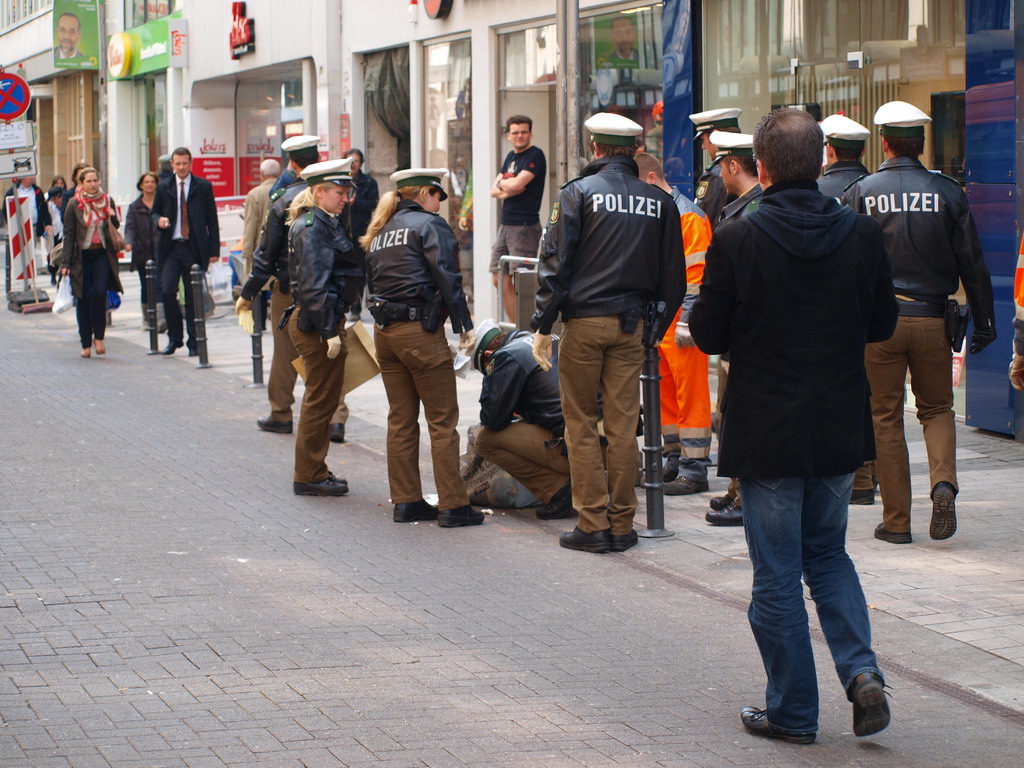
x,y
143,11
620,69
911,51
15,11
449,137
267,111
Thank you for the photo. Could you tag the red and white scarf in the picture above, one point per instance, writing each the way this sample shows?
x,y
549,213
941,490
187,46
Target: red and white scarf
x,y
95,211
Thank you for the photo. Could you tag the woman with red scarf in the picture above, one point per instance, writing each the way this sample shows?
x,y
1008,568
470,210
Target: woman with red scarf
x,y
89,257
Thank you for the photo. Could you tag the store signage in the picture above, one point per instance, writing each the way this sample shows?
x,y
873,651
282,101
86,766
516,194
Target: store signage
x,y
151,47
243,33
437,9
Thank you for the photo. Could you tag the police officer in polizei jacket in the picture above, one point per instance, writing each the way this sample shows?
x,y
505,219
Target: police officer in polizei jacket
x,y
323,271
521,417
270,260
612,247
414,281
933,243
844,147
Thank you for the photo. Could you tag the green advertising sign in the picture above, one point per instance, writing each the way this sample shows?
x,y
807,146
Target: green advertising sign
x,y
148,48
76,34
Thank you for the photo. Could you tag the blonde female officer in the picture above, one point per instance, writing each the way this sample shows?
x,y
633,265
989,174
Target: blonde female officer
x,y
323,271
414,282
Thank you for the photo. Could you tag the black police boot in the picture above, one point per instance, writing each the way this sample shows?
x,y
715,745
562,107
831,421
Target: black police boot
x,y
337,433
414,511
453,518
598,541
329,486
559,506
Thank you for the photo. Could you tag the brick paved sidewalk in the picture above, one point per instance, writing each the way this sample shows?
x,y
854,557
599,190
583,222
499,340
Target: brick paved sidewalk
x,y
166,601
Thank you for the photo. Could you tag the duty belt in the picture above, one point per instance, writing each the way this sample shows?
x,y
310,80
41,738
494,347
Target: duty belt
x,y
387,312
914,308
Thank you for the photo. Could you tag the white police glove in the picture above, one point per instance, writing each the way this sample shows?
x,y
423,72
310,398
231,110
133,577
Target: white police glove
x,y
1017,372
333,347
683,337
542,350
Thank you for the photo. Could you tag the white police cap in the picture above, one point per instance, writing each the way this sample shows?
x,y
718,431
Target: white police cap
x,y
485,334
609,128
734,144
716,119
841,131
296,143
421,177
335,171
901,120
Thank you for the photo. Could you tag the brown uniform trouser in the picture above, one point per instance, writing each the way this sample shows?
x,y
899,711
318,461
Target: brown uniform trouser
x,y
416,367
595,355
864,480
519,449
723,379
920,344
324,379
281,384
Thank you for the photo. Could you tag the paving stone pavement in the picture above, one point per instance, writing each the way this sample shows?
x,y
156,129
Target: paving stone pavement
x,y
166,601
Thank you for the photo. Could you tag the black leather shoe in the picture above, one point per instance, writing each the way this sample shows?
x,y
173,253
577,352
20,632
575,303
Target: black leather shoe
x,y
670,470
193,352
623,542
870,709
337,433
684,486
453,518
559,506
329,486
892,537
720,502
863,498
171,347
756,722
943,523
730,514
269,425
414,511
598,541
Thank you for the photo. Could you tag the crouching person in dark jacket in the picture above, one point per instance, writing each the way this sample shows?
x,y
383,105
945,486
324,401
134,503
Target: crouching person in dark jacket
x,y
521,414
793,292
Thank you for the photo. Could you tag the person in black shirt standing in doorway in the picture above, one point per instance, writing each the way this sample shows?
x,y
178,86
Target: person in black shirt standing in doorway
x,y
520,184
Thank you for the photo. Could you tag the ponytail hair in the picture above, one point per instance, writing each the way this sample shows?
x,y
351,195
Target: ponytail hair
x,y
302,203
386,209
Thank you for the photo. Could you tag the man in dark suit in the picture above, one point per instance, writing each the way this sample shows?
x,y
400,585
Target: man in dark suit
x,y
792,292
193,237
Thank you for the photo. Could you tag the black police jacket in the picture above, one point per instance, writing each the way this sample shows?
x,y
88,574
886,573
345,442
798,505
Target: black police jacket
x,y
711,194
515,386
270,259
323,269
414,258
612,245
839,176
929,234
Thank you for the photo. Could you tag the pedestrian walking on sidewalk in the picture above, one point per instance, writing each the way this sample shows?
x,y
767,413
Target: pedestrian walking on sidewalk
x,y
793,291
140,232
414,282
323,272
89,257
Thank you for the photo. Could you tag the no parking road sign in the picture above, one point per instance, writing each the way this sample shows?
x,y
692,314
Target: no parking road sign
x,y
15,96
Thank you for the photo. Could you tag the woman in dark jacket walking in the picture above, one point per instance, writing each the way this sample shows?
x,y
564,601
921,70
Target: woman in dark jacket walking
x,y
89,257
140,232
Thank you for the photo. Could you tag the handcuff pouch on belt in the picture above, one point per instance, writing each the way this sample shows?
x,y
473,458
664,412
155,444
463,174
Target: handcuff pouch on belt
x,y
285,316
654,314
956,319
630,319
429,313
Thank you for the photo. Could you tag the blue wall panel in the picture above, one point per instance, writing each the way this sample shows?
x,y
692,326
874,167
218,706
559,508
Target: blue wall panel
x,y
677,76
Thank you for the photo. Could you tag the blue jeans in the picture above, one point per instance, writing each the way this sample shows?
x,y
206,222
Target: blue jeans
x,y
797,526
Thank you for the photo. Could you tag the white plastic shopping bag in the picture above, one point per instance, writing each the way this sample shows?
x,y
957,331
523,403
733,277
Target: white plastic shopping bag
x,y
64,300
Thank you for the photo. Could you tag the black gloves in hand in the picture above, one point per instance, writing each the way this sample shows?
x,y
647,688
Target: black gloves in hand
x,y
981,338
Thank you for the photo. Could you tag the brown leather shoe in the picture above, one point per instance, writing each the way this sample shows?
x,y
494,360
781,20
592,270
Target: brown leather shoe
x,y
730,514
893,537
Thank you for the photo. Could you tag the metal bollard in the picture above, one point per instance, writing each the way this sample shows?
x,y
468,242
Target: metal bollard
x,y
151,321
257,340
649,379
200,316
